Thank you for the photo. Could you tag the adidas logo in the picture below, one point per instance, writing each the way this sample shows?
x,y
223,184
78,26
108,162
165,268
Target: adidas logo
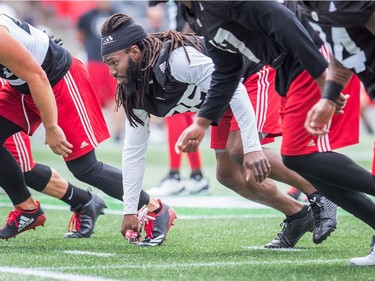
x,y
108,40
311,143
332,7
152,242
24,222
84,144
162,67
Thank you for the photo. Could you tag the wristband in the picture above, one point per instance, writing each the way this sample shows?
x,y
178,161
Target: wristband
x,y
332,91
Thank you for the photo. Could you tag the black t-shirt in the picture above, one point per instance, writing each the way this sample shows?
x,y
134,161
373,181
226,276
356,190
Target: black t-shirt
x,y
90,24
264,31
341,25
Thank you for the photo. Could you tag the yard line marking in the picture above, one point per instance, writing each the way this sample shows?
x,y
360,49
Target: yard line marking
x,y
50,274
201,264
274,249
180,217
88,253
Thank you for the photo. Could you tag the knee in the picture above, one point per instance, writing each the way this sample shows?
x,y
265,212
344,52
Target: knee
x,y
236,154
225,178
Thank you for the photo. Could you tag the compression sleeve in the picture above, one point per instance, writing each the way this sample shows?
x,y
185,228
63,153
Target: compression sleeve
x,y
133,161
244,113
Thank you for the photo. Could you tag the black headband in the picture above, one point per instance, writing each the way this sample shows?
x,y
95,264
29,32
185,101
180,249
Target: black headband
x,y
122,38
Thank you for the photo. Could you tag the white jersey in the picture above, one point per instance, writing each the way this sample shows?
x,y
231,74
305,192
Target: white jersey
x,y
53,58
197,74
35,41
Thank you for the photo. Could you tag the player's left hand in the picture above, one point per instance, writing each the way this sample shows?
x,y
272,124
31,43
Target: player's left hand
x,y
256,164
319,116
341,103
190,139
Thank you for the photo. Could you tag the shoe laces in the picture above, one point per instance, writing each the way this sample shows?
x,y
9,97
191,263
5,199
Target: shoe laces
x,y
149,227
284,224
315,202
75,222
318,207
13,217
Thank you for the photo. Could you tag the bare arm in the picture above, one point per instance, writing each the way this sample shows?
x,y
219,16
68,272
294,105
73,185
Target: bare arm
x,y
337,72
20,62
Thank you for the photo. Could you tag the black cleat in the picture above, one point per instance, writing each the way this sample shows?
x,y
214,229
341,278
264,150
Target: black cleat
x,y
83,220
157,230
292,231
325,218
19,221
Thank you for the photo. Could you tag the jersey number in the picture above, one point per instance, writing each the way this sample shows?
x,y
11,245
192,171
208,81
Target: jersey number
x,y
190,101
341,41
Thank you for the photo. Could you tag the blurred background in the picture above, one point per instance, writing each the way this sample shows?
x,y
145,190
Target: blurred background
x,y
63,19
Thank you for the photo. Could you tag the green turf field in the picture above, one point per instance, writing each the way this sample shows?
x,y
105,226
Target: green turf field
x,y
217,237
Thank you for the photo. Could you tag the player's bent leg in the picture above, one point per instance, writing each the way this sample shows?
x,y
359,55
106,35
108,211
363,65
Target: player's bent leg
x,y
299,218
325,212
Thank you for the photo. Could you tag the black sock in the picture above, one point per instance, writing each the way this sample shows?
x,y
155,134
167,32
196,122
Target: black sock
x,y
158,209
174,175
315,195
300,214
196,175
75,196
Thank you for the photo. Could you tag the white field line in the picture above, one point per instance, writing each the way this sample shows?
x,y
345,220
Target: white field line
x,y
88,253
180,217
50,274
97,254
155,266
274,249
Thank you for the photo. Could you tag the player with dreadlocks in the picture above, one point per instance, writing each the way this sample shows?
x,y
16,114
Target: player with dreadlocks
x,y
151,46
168,73
79,130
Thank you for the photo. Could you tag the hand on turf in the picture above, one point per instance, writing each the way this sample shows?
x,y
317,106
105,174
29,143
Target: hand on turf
x,y
129,229
132,235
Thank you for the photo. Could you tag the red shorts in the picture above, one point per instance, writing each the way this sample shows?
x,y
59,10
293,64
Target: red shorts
x,y
302,95
102,81
79,112
266,103
19,146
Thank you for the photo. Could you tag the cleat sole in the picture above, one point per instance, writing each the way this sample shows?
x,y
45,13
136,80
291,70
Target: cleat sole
x,y
324,237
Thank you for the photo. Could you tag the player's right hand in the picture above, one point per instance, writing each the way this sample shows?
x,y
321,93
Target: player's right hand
x,y
57,141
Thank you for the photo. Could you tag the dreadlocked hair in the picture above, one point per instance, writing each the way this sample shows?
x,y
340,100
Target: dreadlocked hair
x,y
150,46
